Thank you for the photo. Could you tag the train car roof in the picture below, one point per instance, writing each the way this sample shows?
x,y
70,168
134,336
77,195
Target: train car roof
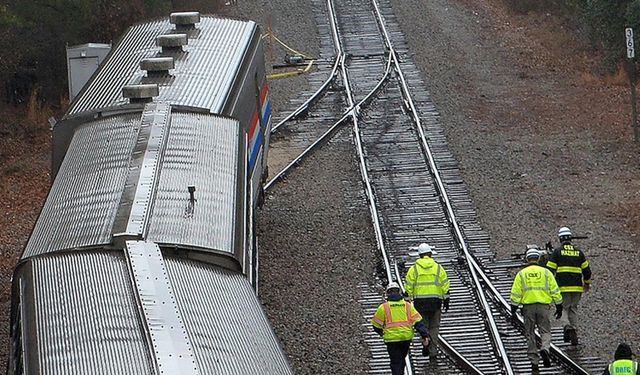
x,y
205,71
128,176
84,315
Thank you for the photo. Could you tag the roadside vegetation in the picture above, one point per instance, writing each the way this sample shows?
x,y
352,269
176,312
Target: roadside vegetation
x,y
601,21
33,33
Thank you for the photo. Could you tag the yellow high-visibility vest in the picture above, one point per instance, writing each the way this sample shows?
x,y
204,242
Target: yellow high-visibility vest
x,y
623,367
427,279
535,284
396,318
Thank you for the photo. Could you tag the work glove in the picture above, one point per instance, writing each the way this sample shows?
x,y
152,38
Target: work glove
x,y
445,305
425,342
558,313
514,315
548,246
587,287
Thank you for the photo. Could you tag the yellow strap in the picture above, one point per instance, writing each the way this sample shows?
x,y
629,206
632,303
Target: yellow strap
x,y
565,289
569,269
271,34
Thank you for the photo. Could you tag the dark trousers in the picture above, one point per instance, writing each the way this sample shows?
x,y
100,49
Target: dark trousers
x,y
397,352
431,315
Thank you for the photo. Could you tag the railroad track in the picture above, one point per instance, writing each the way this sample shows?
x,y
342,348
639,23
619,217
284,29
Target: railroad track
x,y
318,116
416,194
296,133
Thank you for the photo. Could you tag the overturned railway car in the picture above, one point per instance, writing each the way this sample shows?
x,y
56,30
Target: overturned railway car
x,y
143,259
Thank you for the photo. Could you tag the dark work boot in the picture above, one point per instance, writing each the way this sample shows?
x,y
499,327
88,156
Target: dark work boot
x,y
565,336
535,370
570,335
573,336
546,361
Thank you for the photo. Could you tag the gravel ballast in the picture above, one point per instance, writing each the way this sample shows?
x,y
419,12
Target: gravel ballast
x,y
316,249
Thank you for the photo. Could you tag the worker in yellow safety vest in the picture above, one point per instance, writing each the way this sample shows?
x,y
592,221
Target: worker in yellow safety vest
x,y
573,274
427,284
395,321
623,364
534,288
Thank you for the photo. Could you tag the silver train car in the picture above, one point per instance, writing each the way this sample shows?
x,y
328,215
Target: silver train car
x,y
143,259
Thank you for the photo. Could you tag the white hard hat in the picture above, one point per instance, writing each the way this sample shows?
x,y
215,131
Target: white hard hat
x,y
533,253
424,248
393,285
564,232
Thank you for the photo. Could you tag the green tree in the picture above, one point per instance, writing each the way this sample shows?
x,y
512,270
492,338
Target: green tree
x,y
607,18
632,15
8,23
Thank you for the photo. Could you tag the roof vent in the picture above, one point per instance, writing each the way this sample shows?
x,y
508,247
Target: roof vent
x,y
184,20
171,42
140,93
157,66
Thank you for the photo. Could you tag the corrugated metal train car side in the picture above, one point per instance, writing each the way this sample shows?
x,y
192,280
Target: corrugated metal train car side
x,y
142,260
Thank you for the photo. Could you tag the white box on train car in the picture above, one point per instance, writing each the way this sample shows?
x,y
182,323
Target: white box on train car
x,y
82,61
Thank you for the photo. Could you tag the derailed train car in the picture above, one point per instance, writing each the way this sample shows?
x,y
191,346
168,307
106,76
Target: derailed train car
x,y
142,260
